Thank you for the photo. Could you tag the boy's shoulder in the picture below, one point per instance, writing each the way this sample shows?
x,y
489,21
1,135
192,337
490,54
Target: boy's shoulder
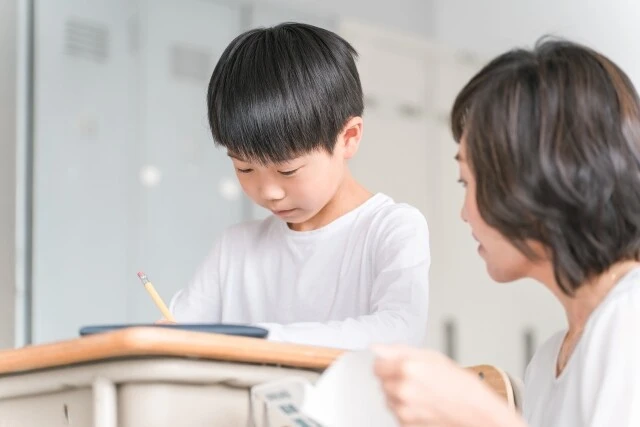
x,y
390,207
389,213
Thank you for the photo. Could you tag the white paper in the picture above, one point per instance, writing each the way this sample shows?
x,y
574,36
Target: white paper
x,y
349,394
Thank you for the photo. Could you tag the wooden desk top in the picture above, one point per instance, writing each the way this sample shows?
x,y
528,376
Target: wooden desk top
x,y
149,341
161,342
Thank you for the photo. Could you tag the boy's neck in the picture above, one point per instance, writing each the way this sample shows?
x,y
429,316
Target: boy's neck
x,y
349,196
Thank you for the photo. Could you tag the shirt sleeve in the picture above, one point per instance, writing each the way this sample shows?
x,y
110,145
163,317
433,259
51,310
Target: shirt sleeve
x,y
399,297
199,302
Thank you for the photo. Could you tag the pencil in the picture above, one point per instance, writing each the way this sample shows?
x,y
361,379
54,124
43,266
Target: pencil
x,y
156,298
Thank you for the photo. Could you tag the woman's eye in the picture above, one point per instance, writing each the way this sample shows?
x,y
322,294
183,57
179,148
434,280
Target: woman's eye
x,y
462,182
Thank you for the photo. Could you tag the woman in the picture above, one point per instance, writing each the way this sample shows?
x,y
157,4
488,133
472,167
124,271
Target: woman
x,y
549,155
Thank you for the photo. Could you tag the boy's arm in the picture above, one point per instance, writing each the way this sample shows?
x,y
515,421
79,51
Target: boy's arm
x,y
399,298
199,302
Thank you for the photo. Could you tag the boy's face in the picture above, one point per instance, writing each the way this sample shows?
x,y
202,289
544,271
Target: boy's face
x,y
297,190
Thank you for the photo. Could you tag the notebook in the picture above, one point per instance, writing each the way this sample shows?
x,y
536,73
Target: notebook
x,y
214,328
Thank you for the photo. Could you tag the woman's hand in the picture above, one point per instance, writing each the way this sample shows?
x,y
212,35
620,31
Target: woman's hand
x,y
425,388
164,321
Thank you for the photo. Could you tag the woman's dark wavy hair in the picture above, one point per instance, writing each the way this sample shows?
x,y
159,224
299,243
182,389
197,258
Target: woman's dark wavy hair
x,y
552,138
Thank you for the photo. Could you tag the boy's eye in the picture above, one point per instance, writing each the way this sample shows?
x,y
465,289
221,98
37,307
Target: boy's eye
x,y
244,170
288,173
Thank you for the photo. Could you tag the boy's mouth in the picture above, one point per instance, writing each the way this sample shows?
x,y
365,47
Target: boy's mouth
x,y
284,212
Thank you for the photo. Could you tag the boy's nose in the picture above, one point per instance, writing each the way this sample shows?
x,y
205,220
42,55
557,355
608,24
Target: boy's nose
x,y
272,192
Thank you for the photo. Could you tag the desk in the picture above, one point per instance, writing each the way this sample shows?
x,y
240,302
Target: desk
x,y
151,377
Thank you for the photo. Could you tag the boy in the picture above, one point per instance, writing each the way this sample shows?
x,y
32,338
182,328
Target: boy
x,y
335,265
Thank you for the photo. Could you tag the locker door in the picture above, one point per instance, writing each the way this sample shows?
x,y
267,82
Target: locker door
x,y
189,193
85,100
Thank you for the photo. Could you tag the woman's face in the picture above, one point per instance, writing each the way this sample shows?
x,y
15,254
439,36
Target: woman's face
x,y
505,263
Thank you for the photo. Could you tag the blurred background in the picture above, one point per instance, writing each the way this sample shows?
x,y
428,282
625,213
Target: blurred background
x,y
107,166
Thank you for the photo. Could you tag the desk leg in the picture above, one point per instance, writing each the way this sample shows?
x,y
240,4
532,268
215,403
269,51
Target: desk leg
x,y
105,403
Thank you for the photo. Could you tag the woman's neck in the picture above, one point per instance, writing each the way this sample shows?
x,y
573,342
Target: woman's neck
x,y
588,297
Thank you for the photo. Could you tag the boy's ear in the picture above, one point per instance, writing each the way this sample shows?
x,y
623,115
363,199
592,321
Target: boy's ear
x,y
350,137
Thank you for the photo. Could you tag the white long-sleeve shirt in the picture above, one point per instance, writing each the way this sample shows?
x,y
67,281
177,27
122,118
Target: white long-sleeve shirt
x,y
361,279
600,385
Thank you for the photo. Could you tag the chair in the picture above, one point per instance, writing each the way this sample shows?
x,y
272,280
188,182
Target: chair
x,y
500,382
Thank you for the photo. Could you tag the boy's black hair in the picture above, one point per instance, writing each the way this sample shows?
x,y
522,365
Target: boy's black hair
x,y
281,92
